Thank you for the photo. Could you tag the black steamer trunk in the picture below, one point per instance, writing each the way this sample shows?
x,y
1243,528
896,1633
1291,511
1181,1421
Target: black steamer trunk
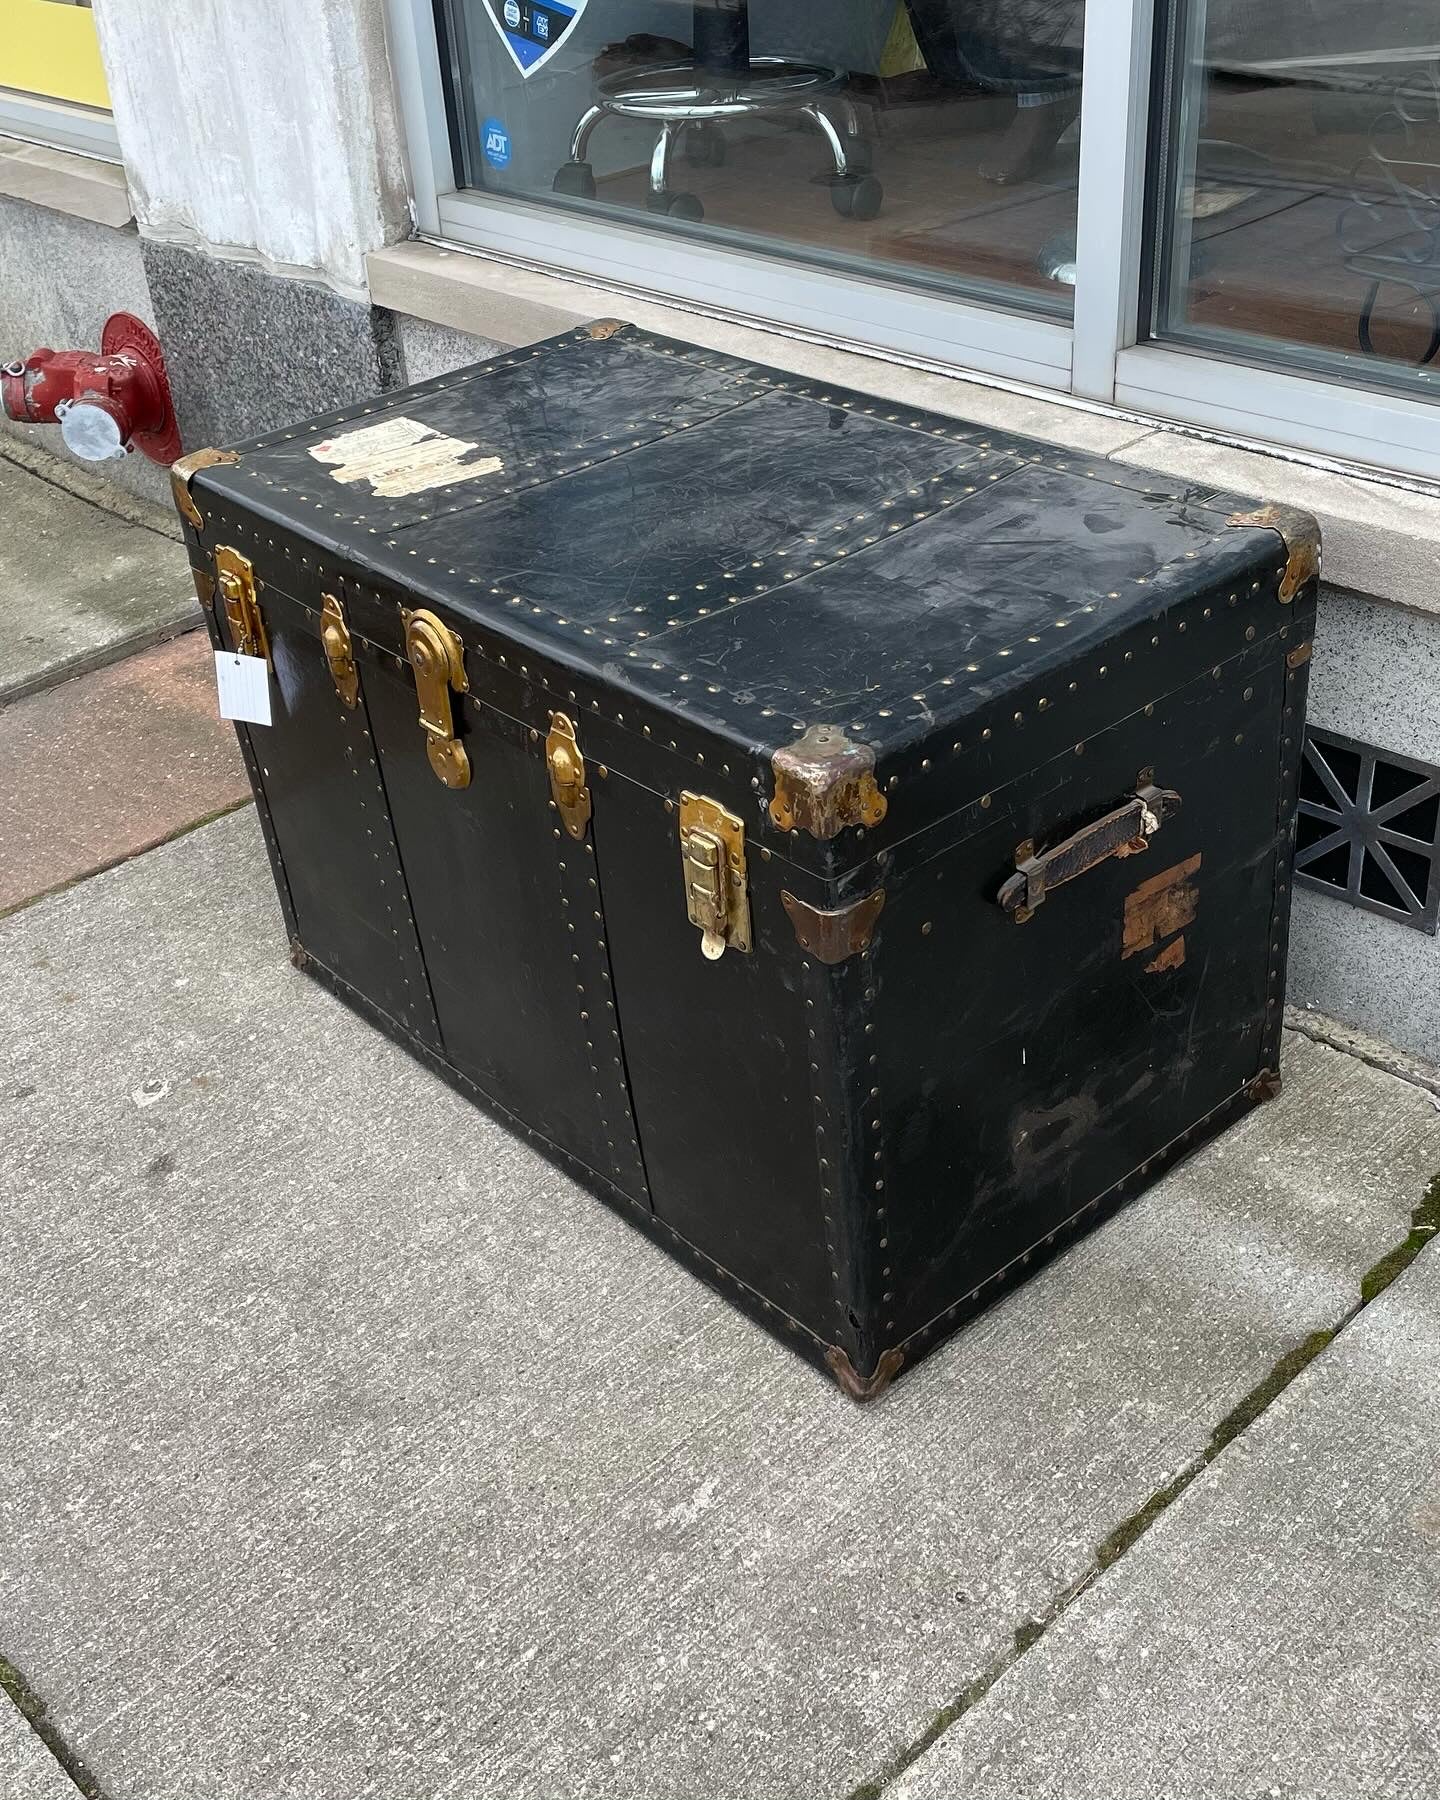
x,y
853,842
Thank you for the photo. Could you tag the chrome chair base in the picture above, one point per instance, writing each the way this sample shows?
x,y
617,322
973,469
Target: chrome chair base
x,y
688,103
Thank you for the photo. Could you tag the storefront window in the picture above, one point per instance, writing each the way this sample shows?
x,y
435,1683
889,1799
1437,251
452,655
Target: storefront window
x,y
1300,190
48,50
930,141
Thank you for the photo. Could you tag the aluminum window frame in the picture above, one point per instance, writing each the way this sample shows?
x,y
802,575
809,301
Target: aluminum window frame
x,y
1104,356
56,125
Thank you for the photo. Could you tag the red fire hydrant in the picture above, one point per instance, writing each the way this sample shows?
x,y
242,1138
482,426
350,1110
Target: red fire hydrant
x,y
107,404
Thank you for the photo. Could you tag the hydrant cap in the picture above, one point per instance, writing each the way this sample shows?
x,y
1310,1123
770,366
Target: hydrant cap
x,y
91,432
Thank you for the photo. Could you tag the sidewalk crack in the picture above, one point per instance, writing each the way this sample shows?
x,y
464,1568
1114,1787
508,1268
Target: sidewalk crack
x,y
1424,1225
125,856
33,1710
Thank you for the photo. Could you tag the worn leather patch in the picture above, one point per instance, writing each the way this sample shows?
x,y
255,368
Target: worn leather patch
x,y
1160,907
1171,957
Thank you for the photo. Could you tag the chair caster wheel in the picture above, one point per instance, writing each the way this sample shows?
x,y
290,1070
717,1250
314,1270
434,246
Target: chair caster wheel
x,y
677,206
575,178
856,196
705,147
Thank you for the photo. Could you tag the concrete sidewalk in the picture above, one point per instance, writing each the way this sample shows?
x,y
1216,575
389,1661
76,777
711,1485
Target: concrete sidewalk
x,y
1276,1634
351,1450
78,586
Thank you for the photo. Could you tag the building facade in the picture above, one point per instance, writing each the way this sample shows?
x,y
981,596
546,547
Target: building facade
x,y
1192,235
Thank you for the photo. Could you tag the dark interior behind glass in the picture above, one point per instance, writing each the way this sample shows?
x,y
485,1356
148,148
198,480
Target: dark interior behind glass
x,y
933,142
1298,200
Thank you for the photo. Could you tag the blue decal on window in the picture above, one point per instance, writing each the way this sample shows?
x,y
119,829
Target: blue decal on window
x,y
532,30
496,142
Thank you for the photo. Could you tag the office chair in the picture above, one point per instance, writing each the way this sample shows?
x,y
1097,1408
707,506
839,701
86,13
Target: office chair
x,y
723,82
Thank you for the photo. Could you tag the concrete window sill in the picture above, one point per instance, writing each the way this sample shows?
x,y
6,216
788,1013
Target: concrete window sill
x,y
1380,540
82,186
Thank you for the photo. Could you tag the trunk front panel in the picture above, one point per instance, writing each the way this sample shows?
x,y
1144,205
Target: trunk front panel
x,y
509,913
719,1055
315,764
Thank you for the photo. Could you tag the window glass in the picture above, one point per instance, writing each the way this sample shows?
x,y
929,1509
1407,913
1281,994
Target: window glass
x,y
48,48
933,141
1300,185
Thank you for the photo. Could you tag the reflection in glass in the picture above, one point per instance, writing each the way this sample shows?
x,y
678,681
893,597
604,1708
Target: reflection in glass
x,y
1301,182
935,141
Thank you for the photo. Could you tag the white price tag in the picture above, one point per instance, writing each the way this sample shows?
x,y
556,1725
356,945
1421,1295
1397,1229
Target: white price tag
x,y
243,683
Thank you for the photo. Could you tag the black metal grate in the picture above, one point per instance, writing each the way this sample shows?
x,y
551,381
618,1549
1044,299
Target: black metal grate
x,y
1369,828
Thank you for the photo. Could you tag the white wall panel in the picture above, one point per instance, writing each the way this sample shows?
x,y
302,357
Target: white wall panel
x,y
260,128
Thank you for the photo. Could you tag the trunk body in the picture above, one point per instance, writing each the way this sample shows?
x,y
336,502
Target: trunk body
x,y
853,842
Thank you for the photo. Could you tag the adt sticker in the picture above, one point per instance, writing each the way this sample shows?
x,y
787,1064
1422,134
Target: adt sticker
x,y
532,31
496,142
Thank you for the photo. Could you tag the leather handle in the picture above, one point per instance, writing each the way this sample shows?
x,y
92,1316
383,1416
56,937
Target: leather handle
x,y
1124,832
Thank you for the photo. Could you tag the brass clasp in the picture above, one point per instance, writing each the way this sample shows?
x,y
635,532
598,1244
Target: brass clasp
x,y
712,854
567,775
437,656
235,579
339,652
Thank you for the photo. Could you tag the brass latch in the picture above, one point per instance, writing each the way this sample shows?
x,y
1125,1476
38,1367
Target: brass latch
x,y
717,895
235,578
567,775
339,653
438,658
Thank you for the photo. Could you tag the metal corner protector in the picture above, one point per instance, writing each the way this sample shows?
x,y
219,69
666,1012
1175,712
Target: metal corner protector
x,y
823,783
184,471
1299,531
863,1388
834,937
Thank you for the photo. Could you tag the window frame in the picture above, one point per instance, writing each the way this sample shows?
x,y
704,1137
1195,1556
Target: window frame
x,y
56,126
1104,356
61,121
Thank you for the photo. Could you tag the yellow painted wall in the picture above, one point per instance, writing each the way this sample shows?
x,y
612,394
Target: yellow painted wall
x,y
51,49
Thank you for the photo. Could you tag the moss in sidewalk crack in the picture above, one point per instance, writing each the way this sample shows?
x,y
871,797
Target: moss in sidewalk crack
x,y
1112,1548
35,1714
941,1722
1242,1417
1424,1223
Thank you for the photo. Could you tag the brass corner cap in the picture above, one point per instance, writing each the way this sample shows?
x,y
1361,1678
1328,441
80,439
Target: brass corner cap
x,y
603,328
864,1387
1299,531
823,783
184,471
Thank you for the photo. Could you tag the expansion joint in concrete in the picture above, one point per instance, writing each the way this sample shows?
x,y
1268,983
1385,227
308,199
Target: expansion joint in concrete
x,y
61,887
1424,1225
33,1710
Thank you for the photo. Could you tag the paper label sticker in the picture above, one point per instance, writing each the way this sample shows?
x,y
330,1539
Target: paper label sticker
x,y
402,456
243,683
533,30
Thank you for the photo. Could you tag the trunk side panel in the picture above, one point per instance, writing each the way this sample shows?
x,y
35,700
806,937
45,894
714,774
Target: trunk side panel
x,y
1027,1068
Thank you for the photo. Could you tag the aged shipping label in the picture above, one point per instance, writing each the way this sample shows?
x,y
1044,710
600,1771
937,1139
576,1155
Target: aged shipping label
x,y
402,456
